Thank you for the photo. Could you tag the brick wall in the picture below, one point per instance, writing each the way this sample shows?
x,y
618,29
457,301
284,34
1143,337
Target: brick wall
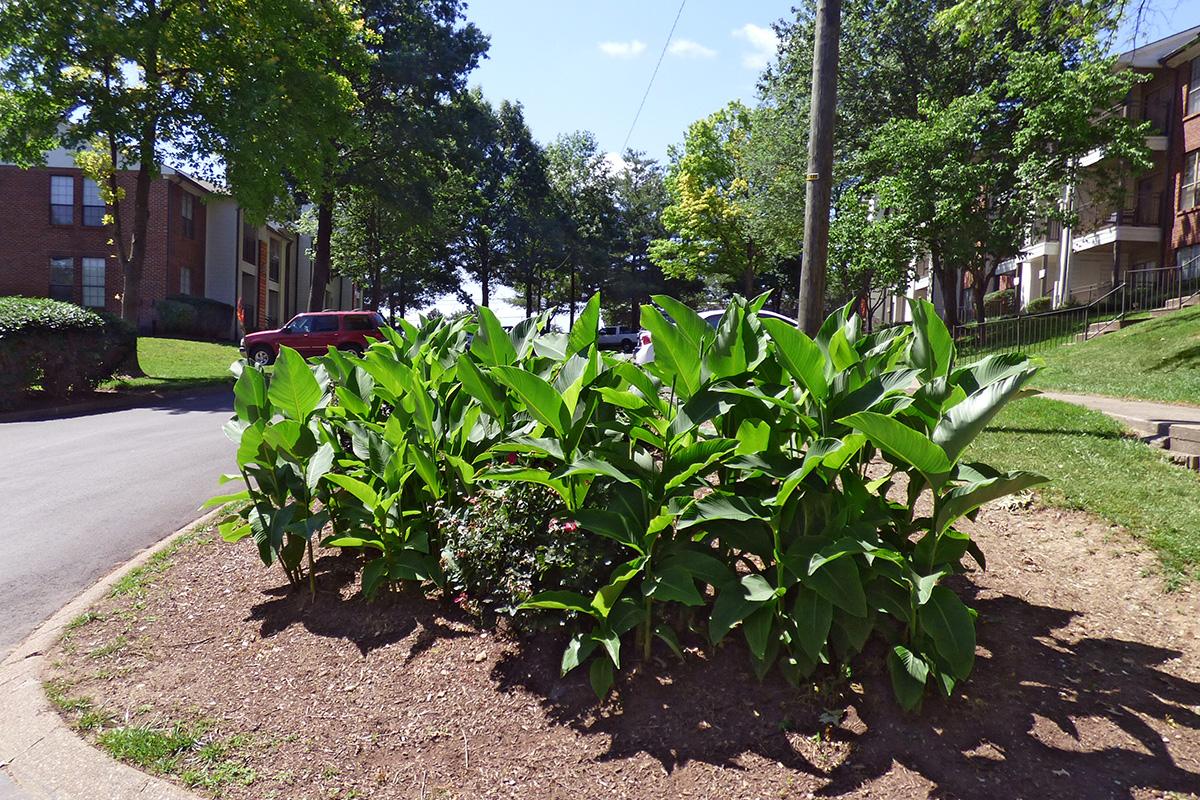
x,y
1185,137
31,240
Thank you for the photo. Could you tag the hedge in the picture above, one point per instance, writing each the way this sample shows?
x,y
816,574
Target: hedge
x,y
56,349
195,317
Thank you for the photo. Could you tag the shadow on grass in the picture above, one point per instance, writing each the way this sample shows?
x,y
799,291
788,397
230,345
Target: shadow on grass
x,y
1108,435
1184,359
1042,716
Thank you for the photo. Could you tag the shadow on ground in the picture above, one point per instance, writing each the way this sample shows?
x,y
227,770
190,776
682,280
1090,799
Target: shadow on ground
x,y
1041,717
390,618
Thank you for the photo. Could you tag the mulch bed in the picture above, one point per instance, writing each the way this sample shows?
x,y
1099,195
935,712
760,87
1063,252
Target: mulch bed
x,y
1087,685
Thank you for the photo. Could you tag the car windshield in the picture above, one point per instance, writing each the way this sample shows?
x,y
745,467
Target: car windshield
x,y
299,325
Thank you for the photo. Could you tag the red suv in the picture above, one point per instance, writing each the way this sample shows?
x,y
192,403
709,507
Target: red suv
x,y
310,335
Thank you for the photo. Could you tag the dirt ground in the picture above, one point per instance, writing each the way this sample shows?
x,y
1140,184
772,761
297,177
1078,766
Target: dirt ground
x,y
1087,685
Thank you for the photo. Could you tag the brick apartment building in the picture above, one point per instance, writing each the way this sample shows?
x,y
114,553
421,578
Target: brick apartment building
x,y
1159,223
197,243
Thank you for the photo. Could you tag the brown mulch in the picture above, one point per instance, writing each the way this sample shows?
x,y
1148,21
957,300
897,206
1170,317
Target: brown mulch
x,y
1087,685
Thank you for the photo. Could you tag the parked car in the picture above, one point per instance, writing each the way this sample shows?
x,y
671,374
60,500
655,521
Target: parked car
x,y
645,352
311,334
617,337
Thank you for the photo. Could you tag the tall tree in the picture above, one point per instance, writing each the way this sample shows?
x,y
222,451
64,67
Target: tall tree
x,y
422,51
137,79
584,192
708,220
640,195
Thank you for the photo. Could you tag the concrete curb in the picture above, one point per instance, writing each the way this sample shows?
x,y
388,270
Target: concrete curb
x,y
38,752
118,402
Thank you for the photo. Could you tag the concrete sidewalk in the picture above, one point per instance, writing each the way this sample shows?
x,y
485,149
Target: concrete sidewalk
x,y
1148,419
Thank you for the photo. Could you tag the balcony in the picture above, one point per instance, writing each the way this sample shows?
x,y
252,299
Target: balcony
x,y
1138,224
1158,112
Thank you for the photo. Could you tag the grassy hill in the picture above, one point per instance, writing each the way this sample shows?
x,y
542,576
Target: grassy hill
x,y
179,364
1158,359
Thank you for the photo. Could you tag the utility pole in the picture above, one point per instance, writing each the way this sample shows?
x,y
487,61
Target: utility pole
x,y
819,181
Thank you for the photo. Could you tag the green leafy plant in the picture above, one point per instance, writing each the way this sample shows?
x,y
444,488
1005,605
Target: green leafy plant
x,y
750,478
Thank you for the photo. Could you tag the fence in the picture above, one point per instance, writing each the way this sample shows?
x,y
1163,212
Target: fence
x,y
1030,333
1163,287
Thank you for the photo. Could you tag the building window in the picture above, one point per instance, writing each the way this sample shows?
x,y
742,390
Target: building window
x,y
1193,95
249,243
185,280
93,206
274,260
1188,193
187,212
93,282
272,308
1188,260
62,200
62,279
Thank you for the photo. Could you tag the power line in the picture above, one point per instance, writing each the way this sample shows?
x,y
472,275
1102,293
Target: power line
x,y
653,75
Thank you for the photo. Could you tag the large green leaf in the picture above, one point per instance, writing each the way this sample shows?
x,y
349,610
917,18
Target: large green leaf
x,y
932,348
294,389
737,600
963,500
362,491
491,344
481,387
576,652
724,507
250,396
800,356
812,615
673,353
901,441
561,600
965,420
839,582
539,397
583,332
909,673
949,623
673,584
695,330
757,630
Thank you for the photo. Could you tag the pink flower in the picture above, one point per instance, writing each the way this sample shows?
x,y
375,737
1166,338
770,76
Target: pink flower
x,y
570,526
462,598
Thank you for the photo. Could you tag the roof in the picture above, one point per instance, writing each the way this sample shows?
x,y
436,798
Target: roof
x,y
1154,54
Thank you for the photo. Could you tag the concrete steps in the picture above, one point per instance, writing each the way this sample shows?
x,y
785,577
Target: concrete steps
x,y
1173,428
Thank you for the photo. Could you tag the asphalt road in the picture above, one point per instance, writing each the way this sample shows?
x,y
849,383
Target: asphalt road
x,y
83,494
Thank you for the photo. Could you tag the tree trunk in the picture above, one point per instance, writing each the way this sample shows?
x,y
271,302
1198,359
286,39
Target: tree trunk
x,y
819,181
947,278
748,281
572,312
320,266
978,290
485,272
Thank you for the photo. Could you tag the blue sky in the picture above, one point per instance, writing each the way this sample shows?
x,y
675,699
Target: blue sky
x,y
578,64
585,65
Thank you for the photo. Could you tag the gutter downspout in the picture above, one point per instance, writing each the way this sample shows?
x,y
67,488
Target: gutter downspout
x,y
237,268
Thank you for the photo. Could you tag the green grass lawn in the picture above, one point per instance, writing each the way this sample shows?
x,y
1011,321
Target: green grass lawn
x,y
179,363
1158,359
1095,466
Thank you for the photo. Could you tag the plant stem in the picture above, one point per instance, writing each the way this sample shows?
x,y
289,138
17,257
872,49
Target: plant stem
x,y
647,633
312,573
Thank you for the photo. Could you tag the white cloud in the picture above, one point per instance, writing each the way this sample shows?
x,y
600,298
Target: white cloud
x,y
763,45
686,48
615,163
630,49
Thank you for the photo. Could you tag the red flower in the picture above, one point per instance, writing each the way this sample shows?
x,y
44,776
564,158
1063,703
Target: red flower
x,y
512,458
570,526
462,598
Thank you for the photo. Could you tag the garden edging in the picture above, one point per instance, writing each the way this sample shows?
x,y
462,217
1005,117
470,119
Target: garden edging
x,y
44,757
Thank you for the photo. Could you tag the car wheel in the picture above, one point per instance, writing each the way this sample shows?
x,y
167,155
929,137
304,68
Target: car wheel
x,y
351,348
262,356
627,346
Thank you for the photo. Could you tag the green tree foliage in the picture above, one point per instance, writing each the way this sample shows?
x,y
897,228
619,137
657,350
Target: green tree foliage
x,y
584,193
640,195
708,222
139,79
421,52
